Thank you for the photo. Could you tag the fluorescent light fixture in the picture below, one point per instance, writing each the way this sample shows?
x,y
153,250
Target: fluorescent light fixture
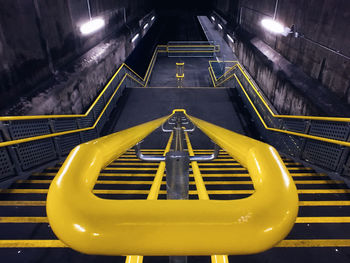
x,y
220,26
153,17
230,38
213,18
135,37
275,27
92,26
145,26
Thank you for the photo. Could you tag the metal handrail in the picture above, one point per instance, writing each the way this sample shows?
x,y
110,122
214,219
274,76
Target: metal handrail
x,y
344,143
240,67
40,137
132,227
145,79
318,138
123,65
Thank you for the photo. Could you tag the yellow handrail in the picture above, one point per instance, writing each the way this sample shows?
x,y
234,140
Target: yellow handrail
x,y
145,79
153,192
240,67
202,193
40,137
197,227
285,131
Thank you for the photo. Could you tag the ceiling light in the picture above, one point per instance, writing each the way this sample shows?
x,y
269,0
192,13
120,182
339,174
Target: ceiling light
x,y
135,37
220,26
230,38
213,18
275,27
145,26
92,26
153,17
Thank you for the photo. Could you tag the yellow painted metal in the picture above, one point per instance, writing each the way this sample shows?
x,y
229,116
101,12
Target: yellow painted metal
x,y
23,219
212,76
191,192
202,193
219,259
299,220
7,143
324,203
324,219
153,193
284,243
289,132
208,183
315,243
31,243
145,79
134,259
240,67
117,227
22,203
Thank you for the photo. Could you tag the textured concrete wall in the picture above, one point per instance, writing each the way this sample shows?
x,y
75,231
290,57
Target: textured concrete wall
x,y
323,21
40,39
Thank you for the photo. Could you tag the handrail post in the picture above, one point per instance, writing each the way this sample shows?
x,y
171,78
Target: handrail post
x,y
177,175
177,164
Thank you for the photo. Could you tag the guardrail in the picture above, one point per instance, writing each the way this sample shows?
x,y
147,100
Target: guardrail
x,y
192,49
322,142
94,225
29,143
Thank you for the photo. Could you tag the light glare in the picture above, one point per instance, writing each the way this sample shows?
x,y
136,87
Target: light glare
x,y
145,26
135,37
153,17
273,26
220,26
92,26
213,18
230,38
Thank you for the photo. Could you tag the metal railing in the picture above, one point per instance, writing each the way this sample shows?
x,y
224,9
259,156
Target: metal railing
x,y
93,225
192,49
29,143
322,142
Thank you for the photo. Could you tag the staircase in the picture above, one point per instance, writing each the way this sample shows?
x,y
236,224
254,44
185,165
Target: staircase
x,y
320,228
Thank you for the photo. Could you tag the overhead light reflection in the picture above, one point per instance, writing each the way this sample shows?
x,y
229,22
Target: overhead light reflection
x,y
79,228
92,26
153,17
230,38
135,37
145,26
220,26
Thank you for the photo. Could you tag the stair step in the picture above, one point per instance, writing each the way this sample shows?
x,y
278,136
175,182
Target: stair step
x,y
323,219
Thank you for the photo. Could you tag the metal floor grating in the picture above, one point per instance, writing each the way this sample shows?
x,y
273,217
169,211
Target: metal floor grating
x,y
321,233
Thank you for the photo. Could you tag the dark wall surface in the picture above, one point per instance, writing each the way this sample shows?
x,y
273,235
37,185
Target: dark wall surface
x,y
38,37
322,49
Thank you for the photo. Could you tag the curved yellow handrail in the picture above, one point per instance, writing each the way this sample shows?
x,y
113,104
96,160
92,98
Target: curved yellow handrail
x,y
171,227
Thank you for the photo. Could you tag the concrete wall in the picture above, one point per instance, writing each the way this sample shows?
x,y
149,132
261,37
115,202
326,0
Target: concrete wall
x,y
323,21
40,42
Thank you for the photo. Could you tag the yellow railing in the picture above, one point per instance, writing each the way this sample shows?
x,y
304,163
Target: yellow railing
x,y
230,73
241,68
123,65
142,81
171,227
